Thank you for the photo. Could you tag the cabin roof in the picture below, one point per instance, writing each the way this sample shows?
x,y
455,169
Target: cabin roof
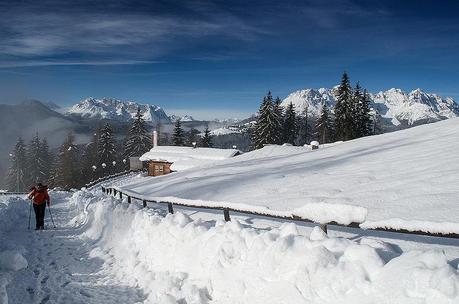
x,y
187,157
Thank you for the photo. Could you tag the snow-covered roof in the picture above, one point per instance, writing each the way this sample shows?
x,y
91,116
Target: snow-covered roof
x,y
187,157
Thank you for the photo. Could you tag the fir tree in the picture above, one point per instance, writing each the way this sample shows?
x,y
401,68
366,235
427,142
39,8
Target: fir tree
x,y
278,118
67,172
192,137
304,133
47,157
90,166
324,125
106,150
178,134
36,164
364,121
206,140
344,110
138,140
290,125
16,173
265,127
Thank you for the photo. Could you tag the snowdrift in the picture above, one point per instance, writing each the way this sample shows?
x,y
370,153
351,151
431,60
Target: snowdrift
x,y
405,180
13,210
178,260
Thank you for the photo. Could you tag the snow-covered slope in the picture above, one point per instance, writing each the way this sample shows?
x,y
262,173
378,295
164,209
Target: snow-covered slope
x,y
406,179
109,108
395,107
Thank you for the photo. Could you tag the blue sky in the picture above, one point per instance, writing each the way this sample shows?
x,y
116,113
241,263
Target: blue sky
x,y
218,58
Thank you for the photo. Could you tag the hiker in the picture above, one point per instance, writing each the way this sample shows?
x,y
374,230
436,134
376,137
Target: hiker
x,y
39,194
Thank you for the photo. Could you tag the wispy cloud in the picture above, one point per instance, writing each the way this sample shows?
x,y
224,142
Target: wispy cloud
x,y
111,37
15,64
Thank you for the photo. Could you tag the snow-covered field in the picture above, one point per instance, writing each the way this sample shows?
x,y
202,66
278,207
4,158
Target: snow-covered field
x,y
406,179
107,251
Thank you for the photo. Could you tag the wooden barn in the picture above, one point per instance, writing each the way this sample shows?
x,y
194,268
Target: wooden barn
x,y
162,160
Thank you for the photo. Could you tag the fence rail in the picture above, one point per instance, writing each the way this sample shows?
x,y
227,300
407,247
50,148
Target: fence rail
x,y
227,217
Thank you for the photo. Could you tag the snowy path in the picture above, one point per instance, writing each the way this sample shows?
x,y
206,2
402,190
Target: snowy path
x,y
60,270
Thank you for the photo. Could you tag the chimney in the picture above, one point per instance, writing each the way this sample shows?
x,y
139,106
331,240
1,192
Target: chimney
x,y
155,139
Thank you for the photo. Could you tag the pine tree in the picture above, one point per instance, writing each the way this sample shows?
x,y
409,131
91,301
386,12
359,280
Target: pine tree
x,y
90,169
344,110
16,173
178,134
324,125
36,165
278,118
138,140
47,157
192,137
304,132
364,121
206,140
67,172
290,125
106,151
265,131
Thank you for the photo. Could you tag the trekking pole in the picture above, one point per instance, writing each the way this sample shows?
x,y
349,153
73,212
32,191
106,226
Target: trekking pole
x,y
52,220
30,212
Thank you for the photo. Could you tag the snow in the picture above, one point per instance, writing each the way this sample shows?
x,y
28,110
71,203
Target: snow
x,y
405,180
394,105
187,157
12,260
108,251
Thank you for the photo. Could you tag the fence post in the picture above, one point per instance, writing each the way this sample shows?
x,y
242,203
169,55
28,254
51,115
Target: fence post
x,y
114,192
103,190
121,195
170,208
323,227
129,199
144,203
226,214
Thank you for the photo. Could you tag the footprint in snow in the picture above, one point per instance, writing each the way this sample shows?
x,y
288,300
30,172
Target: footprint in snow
x,y
36,272
44,280
65,284
85,293
45,299
30,290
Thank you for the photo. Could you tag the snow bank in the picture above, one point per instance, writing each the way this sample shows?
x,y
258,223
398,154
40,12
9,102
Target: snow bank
x,y
179,260
13,214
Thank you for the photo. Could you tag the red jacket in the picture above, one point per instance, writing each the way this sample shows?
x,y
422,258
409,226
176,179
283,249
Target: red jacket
x,y
39,197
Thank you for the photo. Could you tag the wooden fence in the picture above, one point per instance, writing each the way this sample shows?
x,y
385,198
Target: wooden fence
x,y
227,217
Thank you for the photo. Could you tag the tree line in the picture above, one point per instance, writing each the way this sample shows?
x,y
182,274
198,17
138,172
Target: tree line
x,y
73,165
351,119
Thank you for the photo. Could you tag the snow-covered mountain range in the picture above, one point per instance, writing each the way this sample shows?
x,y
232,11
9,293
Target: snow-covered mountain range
x,y
184,118
114,109
394,107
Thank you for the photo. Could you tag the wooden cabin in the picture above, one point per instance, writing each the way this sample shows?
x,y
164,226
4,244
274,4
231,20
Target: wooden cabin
x,y
162,160
158,167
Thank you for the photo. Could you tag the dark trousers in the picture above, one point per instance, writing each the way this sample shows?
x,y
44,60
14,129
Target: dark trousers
x,y
40,214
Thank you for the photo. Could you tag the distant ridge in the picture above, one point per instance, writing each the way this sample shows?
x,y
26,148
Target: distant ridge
x,y
395,108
